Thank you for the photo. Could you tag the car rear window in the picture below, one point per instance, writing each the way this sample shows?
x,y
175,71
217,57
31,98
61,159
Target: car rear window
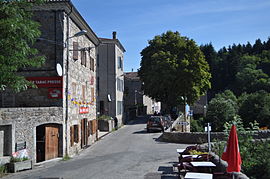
x,y
154,119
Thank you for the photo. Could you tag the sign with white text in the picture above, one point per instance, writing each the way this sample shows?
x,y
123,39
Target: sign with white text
x,y
46,82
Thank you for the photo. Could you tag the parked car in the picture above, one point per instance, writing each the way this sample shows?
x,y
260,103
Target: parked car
x,y
155,123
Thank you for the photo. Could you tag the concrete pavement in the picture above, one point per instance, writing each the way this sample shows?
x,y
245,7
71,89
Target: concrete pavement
x,y
129,152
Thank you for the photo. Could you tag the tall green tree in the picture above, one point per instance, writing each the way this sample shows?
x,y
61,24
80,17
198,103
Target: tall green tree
x,y
255,106
172,68
18,33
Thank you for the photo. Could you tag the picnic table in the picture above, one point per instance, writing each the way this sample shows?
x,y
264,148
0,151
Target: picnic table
x,y
203,166
194,175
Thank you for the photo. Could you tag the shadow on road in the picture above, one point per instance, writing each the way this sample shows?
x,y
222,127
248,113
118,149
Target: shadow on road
x,y
164,172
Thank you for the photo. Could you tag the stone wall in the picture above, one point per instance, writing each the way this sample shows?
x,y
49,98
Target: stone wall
x,y
50,45
1,143
201,137
24,122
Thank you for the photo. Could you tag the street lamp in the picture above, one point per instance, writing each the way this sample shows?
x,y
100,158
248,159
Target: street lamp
x,y
82,32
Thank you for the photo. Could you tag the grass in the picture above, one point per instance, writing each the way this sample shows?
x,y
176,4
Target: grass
x,y
66,157
2,171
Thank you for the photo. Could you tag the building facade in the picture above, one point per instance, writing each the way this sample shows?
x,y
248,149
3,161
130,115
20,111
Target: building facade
x,y
136,103
59,116
111,78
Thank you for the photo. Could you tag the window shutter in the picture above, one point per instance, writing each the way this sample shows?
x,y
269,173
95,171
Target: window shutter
x,y
89,128
75,50
83,92
76,133
71,136
92,94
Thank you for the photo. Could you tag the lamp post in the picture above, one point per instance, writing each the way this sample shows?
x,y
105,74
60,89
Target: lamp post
x,y
83,32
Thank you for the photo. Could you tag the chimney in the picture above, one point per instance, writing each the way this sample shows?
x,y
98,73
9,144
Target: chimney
x,y
114,34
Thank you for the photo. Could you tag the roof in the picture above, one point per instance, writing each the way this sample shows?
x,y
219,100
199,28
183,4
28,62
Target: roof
x,y
132,75
115,41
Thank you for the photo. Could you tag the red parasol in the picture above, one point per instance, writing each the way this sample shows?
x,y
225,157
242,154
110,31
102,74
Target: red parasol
x,y
231,153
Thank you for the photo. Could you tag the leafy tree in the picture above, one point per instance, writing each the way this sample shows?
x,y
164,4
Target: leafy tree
x,y
221,109
172,67
251,80
256,107
17,34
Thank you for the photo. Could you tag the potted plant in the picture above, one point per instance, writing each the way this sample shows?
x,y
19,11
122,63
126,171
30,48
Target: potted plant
x,y
105,123
18,164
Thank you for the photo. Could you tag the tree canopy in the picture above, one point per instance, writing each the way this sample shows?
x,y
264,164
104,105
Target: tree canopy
x,y
240,68
18,33
172,68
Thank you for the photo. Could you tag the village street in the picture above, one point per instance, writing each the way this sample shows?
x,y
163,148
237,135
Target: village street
x,y
129,152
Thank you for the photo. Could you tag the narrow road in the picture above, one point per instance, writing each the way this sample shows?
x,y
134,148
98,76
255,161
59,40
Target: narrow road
x,y
128,153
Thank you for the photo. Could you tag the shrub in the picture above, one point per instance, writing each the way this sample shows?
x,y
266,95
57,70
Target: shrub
x,y
197,125
3,170
104,117
255,155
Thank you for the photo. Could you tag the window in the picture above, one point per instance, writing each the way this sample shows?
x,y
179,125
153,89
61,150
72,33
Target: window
x,y
71,136
83,58
93,124
92,94
120,63
75,50
120,84
119,107
92,64
74,134
83,92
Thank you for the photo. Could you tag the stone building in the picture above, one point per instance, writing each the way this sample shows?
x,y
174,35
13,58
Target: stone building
x,y
111,78
135,102
59,116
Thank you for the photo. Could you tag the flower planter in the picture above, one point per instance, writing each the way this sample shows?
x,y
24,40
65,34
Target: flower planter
x,y
105,125
18,166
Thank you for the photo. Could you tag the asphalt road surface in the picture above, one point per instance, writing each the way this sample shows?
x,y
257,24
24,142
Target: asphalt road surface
x,y
128,153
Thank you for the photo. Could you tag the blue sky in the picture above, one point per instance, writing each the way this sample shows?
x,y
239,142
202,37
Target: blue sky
x,y
221,22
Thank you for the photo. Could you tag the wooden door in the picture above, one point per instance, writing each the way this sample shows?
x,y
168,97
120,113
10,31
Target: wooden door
x,y
84,135
51,142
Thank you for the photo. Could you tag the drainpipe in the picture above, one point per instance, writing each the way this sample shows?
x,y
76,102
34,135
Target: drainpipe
x,y
67,67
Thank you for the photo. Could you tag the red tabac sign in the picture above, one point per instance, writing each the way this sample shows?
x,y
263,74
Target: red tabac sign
x,y
83,110
45,82
55,93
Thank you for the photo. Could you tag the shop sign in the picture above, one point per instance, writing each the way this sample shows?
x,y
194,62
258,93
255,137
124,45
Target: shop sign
x,y
45,82
55,93
83,110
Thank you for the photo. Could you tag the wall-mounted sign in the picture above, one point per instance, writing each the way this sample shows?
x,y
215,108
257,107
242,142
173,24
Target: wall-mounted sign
x,y
55,93
20,146
45,82
84,110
